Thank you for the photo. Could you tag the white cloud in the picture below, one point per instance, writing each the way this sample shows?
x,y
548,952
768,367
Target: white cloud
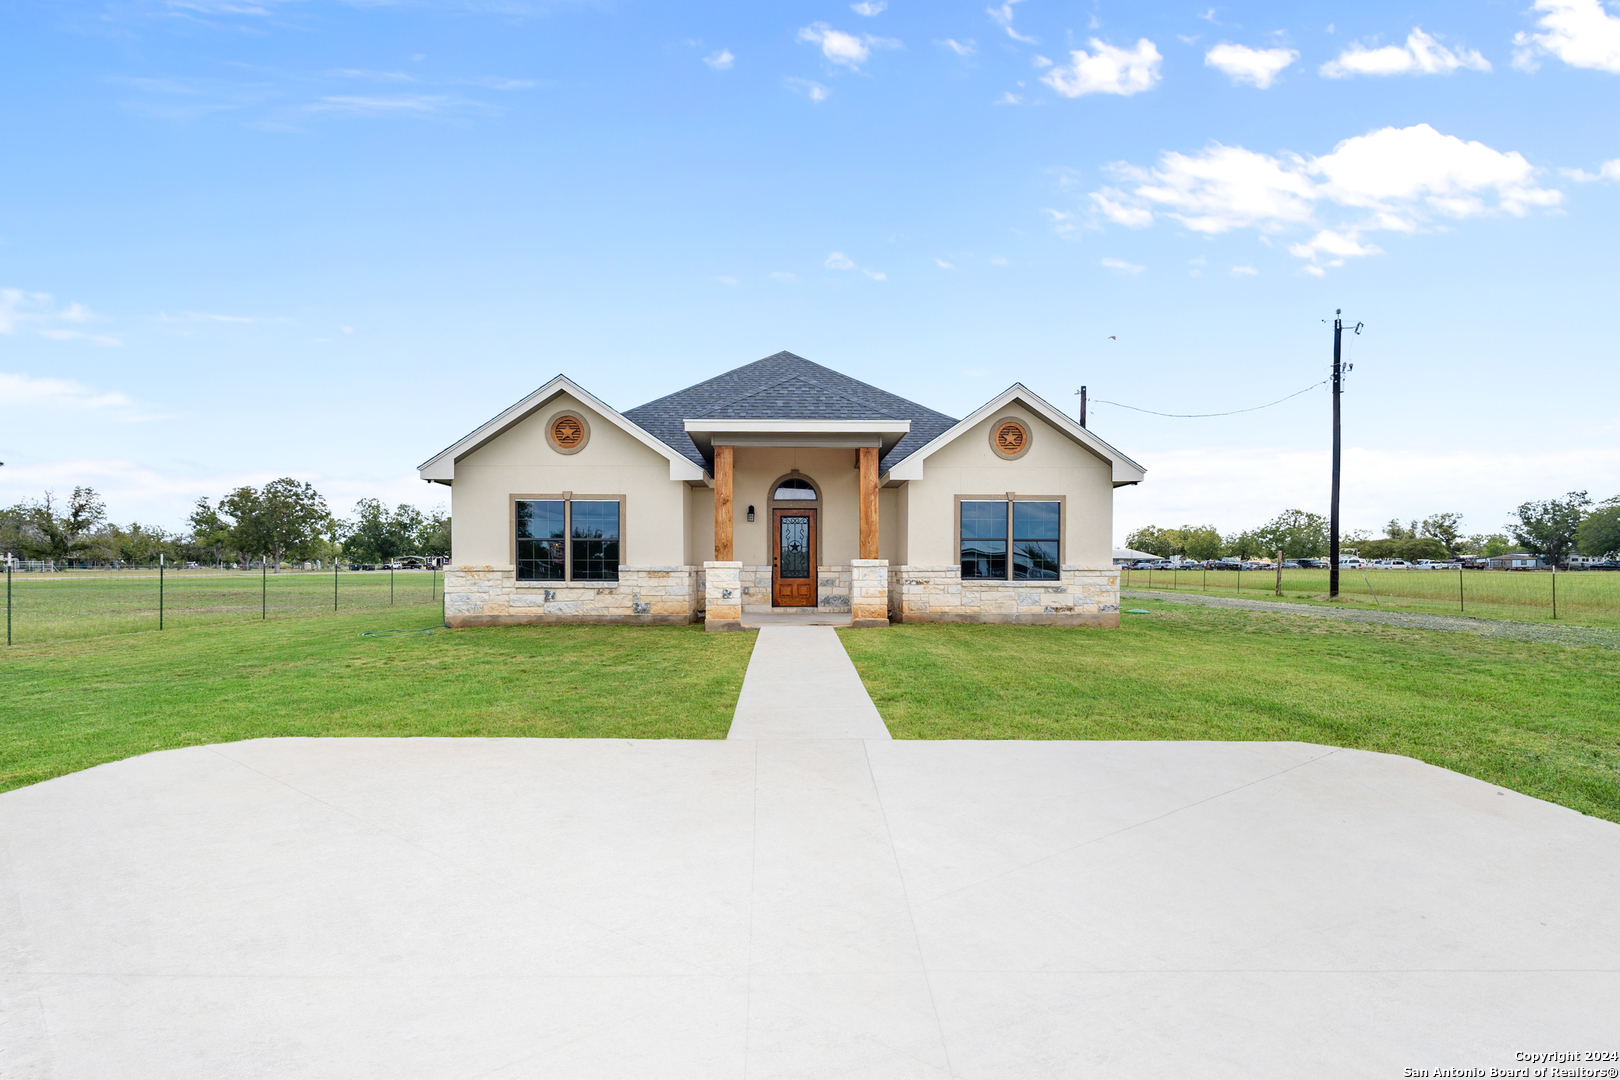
x,y
943,265
1578,32
960,48
1003,16
24,391
869,7
809,88
1064,222
36,312
720,61
842,48
1257,67
1243,271
1009,98
1107,70
1392,179
1611,169
1122,266
1421,55
204,317
725,280
839,261
783,275
1040,62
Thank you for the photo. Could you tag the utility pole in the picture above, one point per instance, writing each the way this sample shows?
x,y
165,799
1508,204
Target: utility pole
x,y
1333,509
1082,393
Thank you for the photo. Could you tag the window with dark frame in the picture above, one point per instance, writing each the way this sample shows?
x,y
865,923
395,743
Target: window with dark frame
x,y
1035,531
1035,535
984,539
567,540
595,537
540,539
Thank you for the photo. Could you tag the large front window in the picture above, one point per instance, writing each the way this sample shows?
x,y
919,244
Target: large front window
x,y
568,539
1033,527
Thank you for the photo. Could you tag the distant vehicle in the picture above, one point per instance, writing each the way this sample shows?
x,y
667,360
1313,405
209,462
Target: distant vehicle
x,y
1604,564
1290,564
1428,564
1391,564
1353,562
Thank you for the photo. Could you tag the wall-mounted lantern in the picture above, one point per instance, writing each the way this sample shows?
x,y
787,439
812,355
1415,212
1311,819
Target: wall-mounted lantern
x,y
750,513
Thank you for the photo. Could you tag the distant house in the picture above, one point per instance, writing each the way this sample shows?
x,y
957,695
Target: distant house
x,y
780,484
1519,560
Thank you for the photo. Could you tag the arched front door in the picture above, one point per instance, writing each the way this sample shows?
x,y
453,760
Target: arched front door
x,y
793,557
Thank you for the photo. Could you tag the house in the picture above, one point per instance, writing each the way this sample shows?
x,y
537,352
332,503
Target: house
x,y
1519,560
780,484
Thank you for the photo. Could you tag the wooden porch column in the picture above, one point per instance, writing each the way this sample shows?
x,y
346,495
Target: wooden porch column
x,y
722,504
869,502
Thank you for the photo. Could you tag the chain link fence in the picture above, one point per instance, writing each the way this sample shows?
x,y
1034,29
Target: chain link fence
x,y
43,606
1587,597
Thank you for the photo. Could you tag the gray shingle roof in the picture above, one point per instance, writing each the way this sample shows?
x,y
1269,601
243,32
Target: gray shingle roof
x,y
784,387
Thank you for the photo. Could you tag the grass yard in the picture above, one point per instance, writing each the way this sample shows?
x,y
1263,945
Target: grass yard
x,y
1538,718
90,603
1584,598
70,705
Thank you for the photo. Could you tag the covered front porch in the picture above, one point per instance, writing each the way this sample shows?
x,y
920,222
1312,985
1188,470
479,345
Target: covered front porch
x,y
801,520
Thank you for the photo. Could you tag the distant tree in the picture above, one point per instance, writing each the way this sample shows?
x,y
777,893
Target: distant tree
x,y
1154,541
433,537
1298,534
1410,548
47,532
209,531
1599,532
1446,528
1547,526
1201,542
1243,545
1394,530
1494,545
376,534
287,518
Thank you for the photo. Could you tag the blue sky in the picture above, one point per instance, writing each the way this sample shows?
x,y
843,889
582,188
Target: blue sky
x,y
241,239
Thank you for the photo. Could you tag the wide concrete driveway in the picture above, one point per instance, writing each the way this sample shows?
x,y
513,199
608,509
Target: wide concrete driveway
x,y
443,908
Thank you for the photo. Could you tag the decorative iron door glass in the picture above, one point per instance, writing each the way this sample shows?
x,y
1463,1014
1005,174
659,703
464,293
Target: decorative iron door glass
x,y
793,571
540,531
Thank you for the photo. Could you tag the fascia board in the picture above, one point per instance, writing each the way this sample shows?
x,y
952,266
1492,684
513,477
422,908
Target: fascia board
x,y
839,427
442,466
1125,471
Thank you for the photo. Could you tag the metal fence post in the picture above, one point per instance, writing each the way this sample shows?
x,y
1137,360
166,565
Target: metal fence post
x,y
1555,591
334,583
390,584
1460,607
264,589
8,599
160,590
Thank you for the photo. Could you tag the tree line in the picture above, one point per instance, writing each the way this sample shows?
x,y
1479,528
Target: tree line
x,y
285,521
1551,528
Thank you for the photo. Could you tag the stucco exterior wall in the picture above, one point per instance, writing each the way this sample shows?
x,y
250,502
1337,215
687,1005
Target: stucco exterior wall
x,y
522,461
1054,465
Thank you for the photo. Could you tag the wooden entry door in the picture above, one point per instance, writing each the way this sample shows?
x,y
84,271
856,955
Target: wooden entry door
x,y
793,558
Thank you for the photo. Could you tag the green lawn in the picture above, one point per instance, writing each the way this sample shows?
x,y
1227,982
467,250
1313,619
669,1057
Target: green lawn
x,y
70,705
1538,718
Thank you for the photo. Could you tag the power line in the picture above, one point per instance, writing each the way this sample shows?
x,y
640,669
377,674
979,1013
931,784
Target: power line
x,y
1201,415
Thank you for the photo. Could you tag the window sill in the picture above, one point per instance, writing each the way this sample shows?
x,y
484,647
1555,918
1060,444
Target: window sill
x,y
599,586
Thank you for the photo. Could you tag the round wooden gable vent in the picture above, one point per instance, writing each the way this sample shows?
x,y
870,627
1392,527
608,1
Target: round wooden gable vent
x,y
568,432
1009,438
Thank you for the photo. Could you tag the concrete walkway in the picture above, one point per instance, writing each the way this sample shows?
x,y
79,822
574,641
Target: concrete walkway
x,y
460,908
801,684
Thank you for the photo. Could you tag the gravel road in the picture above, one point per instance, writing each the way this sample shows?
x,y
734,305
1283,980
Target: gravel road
x,y
1562,635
